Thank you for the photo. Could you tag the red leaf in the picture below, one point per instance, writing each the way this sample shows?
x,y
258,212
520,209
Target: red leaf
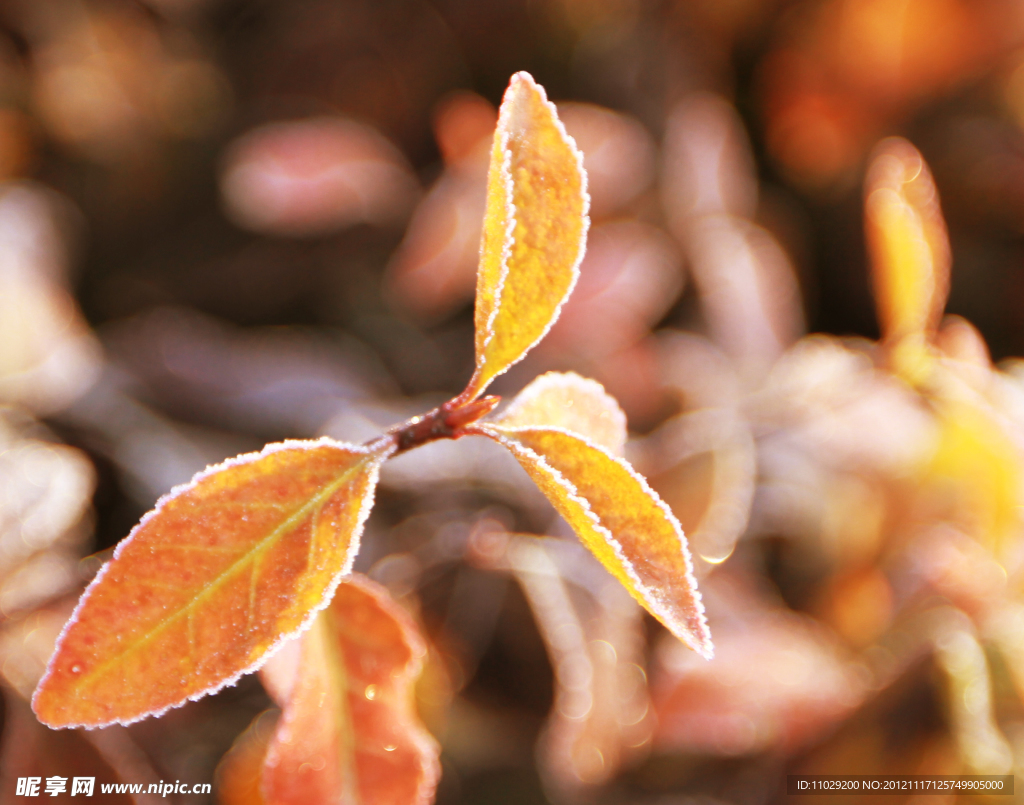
x,y
349,732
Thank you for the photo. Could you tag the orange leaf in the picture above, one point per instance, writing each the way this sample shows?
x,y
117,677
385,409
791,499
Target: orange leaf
x,y
566,400
619,518
210,581
348,731
909,251
535,230
240,771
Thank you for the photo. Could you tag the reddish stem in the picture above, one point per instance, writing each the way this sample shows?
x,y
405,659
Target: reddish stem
x,y
444,422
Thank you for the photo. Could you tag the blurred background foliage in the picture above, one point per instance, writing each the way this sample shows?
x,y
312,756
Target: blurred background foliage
x,y
225,222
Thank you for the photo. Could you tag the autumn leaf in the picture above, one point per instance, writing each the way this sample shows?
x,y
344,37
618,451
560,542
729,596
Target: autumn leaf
x,y
974,456
910,253
618,517
348,731
535,230
566,400
239,775
214,578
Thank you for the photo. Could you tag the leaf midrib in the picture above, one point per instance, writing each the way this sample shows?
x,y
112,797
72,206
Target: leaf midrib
x,y
335,658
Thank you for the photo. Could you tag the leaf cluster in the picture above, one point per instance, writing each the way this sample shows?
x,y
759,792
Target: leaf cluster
x,y
229,569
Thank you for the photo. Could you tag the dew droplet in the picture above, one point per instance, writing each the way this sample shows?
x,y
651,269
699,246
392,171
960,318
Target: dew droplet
x,y
370,692
390,747
76,669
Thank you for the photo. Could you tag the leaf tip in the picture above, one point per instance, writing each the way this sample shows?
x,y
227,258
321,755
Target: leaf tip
x,y
522,77
703,645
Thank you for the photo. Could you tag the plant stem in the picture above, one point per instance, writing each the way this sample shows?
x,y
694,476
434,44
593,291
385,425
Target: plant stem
x,y
444,422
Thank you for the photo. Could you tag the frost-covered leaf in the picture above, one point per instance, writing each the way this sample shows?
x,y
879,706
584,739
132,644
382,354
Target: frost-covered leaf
x,y
221,571
566,400
909,250
348,731
618,517
535,230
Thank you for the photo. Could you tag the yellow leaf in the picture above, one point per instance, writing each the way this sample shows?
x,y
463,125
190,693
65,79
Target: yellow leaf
x,y
535,230
619,518
566,400
978,463
210,582
910,254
